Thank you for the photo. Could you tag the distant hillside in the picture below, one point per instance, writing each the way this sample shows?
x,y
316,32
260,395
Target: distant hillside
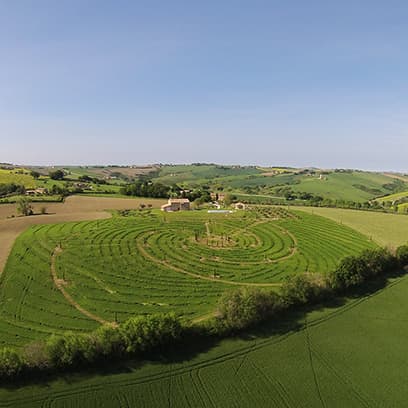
x,y
251,183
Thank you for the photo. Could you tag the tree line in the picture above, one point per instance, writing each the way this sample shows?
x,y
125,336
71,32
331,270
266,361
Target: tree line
x,y
237,310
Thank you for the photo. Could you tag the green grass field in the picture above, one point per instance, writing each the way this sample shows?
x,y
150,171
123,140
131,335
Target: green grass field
x,y
355,186
393,197
141,264
389,230
348,355
17,176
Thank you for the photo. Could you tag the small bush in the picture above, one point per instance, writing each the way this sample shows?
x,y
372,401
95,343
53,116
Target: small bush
x,y
244,307
354,270
110,341
35,355
378,262
145,333
402,255
11,363
71,349
302,289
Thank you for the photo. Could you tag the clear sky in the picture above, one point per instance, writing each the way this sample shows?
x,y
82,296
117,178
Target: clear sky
x,y
303,83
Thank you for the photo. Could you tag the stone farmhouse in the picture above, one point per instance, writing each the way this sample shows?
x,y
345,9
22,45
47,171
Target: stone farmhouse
x,y
176,204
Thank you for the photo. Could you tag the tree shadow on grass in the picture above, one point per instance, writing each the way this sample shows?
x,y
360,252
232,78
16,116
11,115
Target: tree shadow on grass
x,y
197,341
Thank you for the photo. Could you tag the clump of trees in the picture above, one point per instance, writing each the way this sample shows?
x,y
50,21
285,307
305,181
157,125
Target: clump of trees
x,y
146,189
24,206
354,270
56,175
11,188
136,337
244,307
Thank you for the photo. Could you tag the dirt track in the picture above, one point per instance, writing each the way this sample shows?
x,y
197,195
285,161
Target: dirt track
x,y
75,208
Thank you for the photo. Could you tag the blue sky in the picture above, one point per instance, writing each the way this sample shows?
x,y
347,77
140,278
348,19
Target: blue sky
x,y
302,83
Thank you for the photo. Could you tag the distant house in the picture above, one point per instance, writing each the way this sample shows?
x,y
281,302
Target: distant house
x,y
217,196
37,191
176,204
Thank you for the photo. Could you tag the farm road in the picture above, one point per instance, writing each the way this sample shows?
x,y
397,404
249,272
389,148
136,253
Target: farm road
x,y
75,208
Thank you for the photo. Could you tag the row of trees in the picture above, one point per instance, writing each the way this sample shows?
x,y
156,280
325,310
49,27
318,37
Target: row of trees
x,y
158,190
146,189
135,337
11,188
237,310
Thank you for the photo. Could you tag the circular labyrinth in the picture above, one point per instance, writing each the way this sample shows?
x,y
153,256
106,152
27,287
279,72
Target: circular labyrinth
x,y
220,250
65,276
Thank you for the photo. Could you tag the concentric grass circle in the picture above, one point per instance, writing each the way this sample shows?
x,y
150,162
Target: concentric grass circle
x,y
156,262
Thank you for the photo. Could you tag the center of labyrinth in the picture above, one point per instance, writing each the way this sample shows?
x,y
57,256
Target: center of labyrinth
x,y
218,250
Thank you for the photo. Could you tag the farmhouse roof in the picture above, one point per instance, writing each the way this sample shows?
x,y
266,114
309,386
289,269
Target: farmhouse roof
x,y
179,200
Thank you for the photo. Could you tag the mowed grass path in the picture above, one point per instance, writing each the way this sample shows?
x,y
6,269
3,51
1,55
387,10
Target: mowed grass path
x,y
389,230
103,268
350,356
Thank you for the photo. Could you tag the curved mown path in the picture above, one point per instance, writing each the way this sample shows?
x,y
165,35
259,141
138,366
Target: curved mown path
x,y
198,276
75,208
59,284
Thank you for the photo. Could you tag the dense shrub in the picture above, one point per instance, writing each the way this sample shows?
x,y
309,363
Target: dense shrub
x,y
354,270
35,355
243,307
378,262
145,333
110,341
350,272
11,363
402,255
302,289
71,349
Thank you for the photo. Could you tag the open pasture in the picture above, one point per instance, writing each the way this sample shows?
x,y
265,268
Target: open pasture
x,y
153,262
17,176
390,230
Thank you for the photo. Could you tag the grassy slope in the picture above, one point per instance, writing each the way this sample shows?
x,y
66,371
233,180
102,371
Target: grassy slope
x,y
386,229
15,176
191,174
344,186
393,197
345,356
352,186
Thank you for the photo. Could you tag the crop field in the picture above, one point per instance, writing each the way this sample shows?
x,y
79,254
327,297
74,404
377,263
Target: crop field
x,y
356,186
74,276
394,197
17,176
349,355
390,230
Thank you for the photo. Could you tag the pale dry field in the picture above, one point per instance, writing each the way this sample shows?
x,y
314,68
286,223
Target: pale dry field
x,y
389,230
75,208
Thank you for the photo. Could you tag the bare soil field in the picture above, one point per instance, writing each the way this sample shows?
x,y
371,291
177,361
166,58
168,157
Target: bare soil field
x,y
75,208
